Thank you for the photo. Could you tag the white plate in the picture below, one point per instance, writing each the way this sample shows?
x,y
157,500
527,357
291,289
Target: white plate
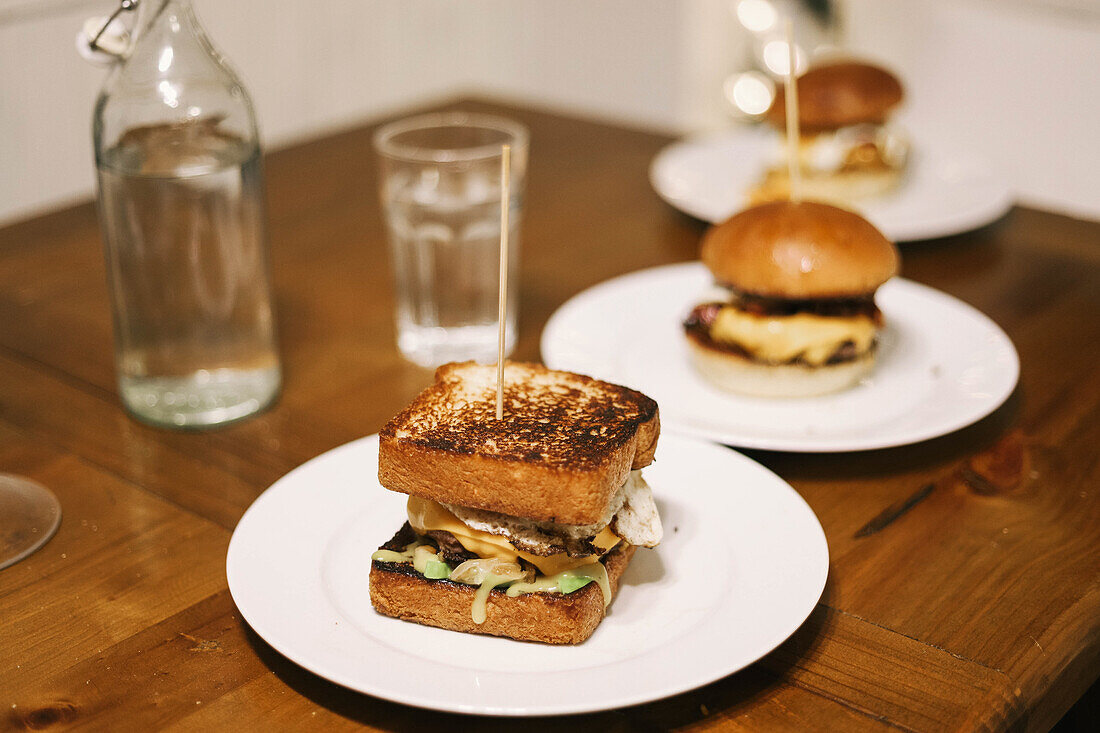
x,y
942,365
944,192
743,563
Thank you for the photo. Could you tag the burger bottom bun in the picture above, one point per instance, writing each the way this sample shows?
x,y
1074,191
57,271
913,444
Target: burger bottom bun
x,y
737,374
839,189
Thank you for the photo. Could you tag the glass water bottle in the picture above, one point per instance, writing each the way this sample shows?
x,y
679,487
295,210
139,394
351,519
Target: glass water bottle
x,y
181,207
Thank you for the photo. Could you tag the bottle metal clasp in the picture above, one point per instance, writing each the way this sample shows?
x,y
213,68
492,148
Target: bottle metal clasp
x,y
104,40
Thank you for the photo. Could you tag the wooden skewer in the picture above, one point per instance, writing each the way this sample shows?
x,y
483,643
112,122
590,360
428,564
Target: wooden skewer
x,y
502,293
794,169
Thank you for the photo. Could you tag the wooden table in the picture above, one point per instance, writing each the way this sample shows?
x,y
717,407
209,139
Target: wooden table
x,y
964,588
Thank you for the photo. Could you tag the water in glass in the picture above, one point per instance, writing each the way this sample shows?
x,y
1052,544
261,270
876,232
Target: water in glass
x,y
445,248
182,217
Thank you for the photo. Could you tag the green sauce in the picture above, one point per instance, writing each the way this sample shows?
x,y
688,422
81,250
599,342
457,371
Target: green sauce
x,y
481,596
389,556
566,582
425,561
405,555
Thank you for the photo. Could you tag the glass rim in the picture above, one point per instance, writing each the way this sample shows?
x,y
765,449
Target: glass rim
x,y
385,145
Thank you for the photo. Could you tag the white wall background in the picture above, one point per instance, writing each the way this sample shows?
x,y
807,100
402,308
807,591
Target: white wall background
x,y
1015,80
309,67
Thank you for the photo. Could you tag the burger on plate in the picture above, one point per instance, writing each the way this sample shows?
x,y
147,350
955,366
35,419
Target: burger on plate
x,y
847,150
794,310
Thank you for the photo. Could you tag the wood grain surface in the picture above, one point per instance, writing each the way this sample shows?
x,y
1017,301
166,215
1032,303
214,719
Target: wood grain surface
x,y
964,587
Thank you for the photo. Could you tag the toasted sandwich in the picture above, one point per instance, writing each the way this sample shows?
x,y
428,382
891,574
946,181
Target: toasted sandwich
x,y
520,527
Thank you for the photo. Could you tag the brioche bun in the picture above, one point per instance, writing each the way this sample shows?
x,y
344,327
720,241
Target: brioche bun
x,y
799,251
839,94
734,373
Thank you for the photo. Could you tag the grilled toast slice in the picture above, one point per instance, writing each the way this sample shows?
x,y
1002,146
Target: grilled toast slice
x,y
566,443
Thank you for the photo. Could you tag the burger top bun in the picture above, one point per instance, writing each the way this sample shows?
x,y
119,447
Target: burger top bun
x,y
798,251
837,94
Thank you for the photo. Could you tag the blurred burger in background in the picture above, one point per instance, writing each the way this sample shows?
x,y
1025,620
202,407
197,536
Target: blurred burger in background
x,y
848,150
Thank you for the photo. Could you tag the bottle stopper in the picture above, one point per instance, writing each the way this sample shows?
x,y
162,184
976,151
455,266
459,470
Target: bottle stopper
x,y
104,40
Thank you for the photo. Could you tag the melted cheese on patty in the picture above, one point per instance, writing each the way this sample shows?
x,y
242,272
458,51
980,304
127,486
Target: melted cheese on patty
x,y
426,515
780,339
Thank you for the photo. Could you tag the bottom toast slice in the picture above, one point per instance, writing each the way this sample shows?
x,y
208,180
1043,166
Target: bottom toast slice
x,y
551,618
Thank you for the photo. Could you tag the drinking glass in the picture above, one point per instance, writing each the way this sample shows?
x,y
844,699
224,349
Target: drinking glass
x,y
441,197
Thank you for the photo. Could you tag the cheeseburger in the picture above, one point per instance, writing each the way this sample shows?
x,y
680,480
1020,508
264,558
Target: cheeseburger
x,y
795,314
847,150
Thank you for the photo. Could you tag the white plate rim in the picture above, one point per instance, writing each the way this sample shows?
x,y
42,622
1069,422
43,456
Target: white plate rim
x,y
240,561
552,356
989,210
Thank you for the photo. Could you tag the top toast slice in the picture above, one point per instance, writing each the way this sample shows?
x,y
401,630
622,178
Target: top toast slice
x,y
564,447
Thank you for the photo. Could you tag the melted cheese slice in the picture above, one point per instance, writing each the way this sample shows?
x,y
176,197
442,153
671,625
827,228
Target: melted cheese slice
x,y
426,515
782,338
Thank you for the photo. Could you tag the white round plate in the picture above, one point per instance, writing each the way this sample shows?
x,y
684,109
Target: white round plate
x,y
942,365
742,563
944,192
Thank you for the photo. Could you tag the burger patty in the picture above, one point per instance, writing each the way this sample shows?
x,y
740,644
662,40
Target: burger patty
x,y
407,535
702,317
451,551
760,305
